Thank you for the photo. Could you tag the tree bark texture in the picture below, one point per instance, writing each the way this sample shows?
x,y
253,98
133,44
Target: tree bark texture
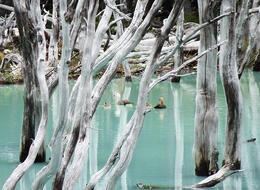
x,y
178,57
206,116
129,145
230,81
56,143
31,26
32,104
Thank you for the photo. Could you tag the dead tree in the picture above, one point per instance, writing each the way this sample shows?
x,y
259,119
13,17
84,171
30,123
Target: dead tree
x,y
229,78
31,29
136,122
30,42
206,116
179,56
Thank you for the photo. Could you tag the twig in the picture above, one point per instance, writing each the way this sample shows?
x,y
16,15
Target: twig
x,y
125,16
187,37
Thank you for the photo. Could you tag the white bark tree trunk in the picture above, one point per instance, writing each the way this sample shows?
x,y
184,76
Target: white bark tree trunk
x,y
120,30
54,38
206,116
129,145
178,57
229,77
48,171
31,28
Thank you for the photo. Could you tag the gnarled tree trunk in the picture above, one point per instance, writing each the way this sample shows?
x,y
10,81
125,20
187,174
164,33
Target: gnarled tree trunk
x,y
32,104
33,46
206,116
229,77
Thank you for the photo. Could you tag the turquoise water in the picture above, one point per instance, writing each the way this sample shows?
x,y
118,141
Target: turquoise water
x,y
163,155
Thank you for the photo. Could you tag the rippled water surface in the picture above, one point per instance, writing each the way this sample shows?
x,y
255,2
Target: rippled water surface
x,y
163,155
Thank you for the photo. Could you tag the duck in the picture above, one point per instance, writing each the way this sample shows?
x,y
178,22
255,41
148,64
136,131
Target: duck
x,y
107,106
124,102
161,105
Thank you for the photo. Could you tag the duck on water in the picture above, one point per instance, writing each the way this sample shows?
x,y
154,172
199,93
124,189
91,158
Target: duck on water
x,y
161,105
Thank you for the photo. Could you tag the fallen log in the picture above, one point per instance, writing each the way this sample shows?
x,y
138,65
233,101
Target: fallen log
x,y
210,181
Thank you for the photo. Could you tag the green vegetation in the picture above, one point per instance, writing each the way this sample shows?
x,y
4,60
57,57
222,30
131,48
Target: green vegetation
x,y
191,16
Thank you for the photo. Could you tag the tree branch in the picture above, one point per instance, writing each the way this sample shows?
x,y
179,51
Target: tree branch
x,y
6,7
173,72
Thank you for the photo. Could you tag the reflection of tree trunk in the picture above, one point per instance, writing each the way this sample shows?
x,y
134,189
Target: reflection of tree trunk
x,y
122,123
254,98
232,183
206,115
93,149
179,136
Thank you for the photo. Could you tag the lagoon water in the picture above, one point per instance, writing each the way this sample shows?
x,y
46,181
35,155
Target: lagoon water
x,y
163,155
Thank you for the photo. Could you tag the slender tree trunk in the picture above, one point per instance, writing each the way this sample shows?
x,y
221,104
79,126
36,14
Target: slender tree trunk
x,y
120,30
178,57
56,145
229,78
206,115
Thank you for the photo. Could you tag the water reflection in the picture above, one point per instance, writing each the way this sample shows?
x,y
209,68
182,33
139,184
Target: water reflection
x,y
177,99
163,155
233,182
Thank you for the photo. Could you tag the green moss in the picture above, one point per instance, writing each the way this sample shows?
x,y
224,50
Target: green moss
x,y
8,77
191,17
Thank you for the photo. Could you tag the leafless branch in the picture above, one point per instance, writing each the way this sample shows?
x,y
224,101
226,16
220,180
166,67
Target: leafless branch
x,y
173,72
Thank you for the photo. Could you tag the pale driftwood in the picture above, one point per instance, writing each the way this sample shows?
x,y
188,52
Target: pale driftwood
x,y
210,181
230,81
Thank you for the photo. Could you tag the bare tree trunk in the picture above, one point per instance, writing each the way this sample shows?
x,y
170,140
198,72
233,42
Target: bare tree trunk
x,y
178,57
229,77
32,104
244,54
129,145
31,28
48,171
120,30
206,115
